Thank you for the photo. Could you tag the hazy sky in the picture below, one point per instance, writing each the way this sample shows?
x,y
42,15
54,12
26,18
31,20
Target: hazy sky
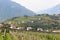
x,y
36,5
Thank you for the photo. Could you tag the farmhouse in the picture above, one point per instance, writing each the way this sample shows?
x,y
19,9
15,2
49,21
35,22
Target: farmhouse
x,y
39,29
12,26
46,30
29,28
56,31
1,25
21,28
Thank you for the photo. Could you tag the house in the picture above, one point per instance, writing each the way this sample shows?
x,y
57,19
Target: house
x,y
56,31
1,25
46,30
17,28
12,26
21,28
39,29
29,28
32,21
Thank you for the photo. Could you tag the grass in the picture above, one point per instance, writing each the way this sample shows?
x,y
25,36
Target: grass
x,y
36,36
1,38
26,19
30,36
8,37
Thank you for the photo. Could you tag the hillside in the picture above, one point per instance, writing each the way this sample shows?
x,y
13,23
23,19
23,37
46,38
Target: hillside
x,y
10,9
16,28
44,21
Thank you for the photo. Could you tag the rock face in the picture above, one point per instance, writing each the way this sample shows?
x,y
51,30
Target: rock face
x,y
9,9
53,10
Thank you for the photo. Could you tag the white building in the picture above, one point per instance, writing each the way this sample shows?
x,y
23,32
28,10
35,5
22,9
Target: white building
x,y
39,29
56,31
29,28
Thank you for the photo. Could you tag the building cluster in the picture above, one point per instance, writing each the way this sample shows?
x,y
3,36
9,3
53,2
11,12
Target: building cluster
x,y
30,29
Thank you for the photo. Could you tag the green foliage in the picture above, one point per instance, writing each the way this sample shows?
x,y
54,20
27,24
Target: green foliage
x,y
1,38
35,36
24,35
8,37
6,25
44,21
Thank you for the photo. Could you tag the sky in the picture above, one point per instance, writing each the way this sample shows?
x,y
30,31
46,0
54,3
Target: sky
x,y
36,5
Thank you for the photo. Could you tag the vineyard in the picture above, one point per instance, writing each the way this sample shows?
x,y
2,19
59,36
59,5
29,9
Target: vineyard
x,y
24,35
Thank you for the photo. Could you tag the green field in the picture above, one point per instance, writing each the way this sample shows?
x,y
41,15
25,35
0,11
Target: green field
x,y
36,36
8,37
30,36
1,38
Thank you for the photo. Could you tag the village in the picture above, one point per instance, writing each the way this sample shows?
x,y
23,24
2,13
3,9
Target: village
x,y
31,29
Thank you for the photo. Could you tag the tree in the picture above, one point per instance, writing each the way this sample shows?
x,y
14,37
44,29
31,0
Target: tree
x,y
26,16
5,27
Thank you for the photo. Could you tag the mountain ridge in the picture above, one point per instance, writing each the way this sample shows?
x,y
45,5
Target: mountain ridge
x,y
53,10
10,9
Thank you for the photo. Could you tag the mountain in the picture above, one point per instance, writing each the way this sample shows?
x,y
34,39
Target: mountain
x,y
53,10
10,9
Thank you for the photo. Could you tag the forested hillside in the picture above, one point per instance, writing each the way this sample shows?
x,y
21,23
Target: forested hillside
x,y
44,21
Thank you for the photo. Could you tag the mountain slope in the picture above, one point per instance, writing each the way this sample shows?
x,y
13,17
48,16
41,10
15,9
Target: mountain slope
x,y
53,10
38,21
9,9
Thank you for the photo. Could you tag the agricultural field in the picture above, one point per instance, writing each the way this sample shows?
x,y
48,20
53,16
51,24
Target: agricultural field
x,y
6,37
24,35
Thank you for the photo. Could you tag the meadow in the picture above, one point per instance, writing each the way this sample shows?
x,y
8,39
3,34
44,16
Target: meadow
x,y
24,35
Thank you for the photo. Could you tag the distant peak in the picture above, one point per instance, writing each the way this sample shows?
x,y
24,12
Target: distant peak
x,y
53,10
